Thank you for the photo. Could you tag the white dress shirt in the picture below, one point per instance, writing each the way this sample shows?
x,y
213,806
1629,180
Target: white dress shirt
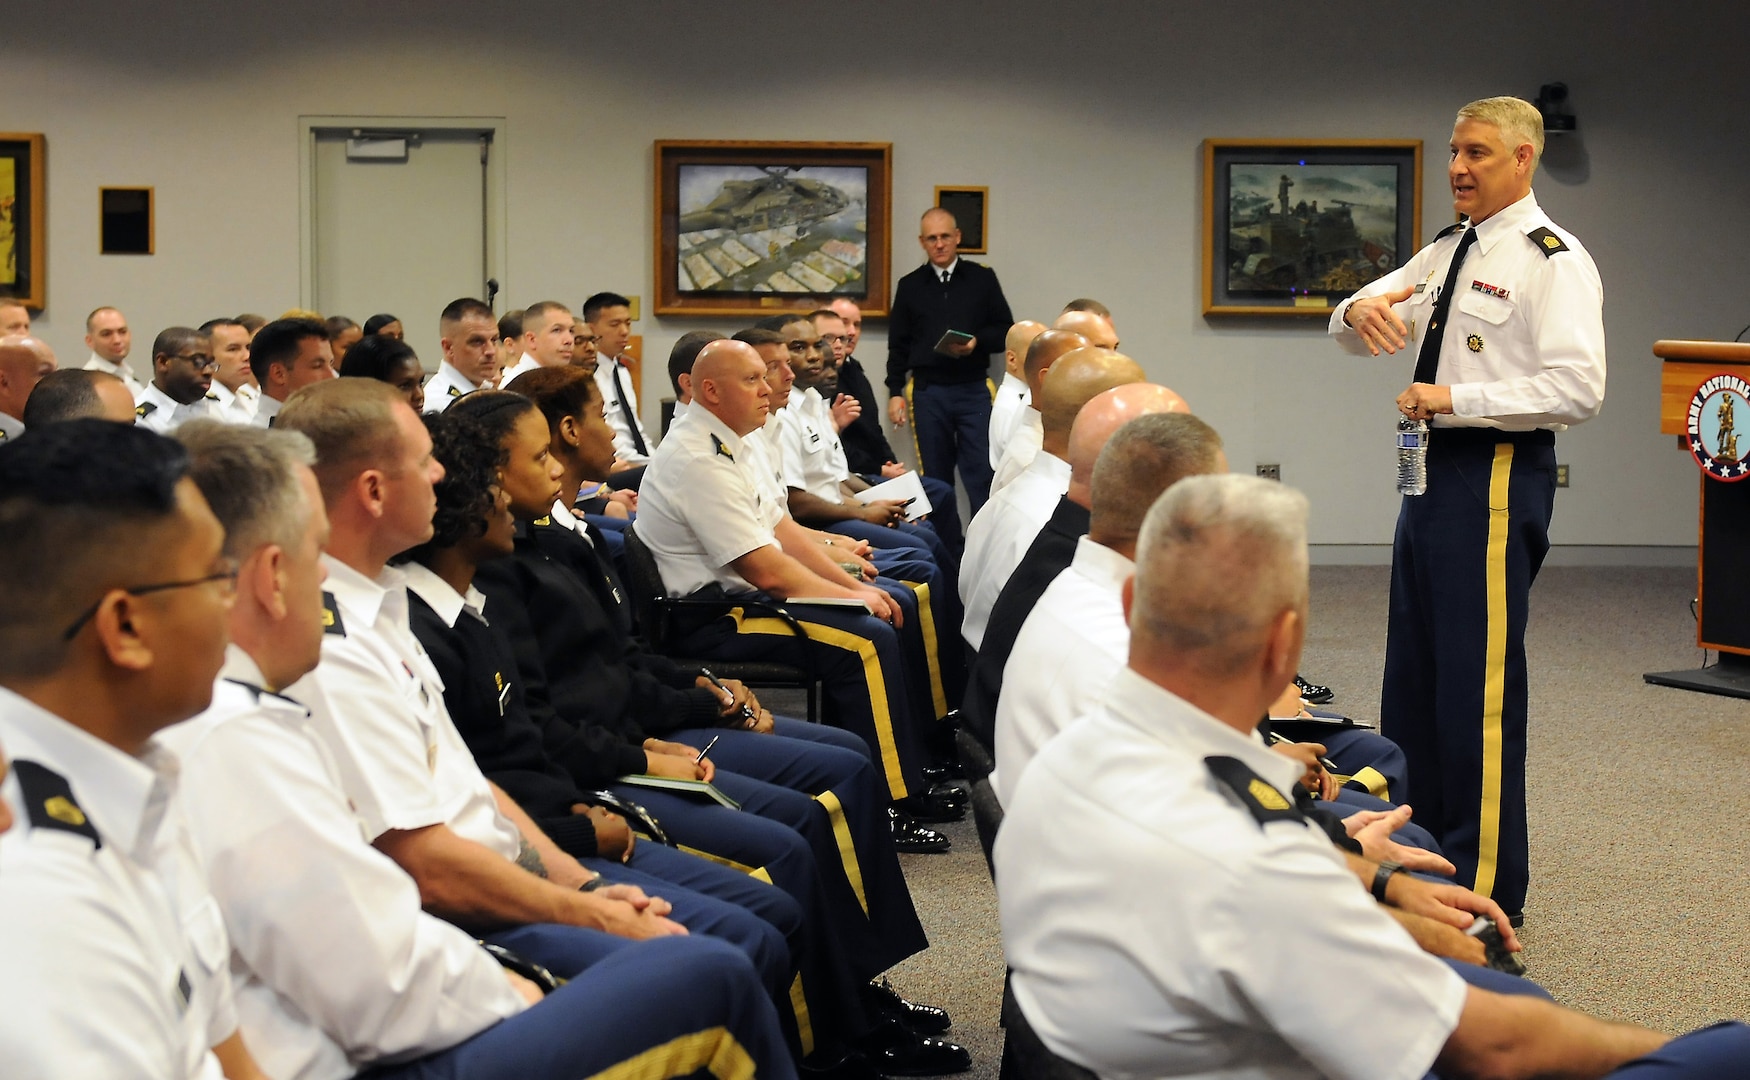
x,y
1071,645
614,382
11,427
764,460
526,363
337,966
701,506
1523,345
443,388
1022,446
378,704
1156,927
245,401
113,953
160,412
122,371
1013,398
265,410
813,458
1001,532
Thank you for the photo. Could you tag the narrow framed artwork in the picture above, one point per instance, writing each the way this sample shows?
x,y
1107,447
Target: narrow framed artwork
x,y
971,209
24,241
752,228
1293,227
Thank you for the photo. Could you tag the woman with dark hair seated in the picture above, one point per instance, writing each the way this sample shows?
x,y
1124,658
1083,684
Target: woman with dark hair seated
x,y
385,326
389,360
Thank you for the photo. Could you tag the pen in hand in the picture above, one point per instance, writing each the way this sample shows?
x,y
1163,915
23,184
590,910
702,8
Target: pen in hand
x,y
700,760
747,712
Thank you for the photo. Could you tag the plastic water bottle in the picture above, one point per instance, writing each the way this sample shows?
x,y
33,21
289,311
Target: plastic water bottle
x,y
1412,456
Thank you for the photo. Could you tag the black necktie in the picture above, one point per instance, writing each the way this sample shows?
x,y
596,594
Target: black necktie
x,y
944,277
626,411
1428,360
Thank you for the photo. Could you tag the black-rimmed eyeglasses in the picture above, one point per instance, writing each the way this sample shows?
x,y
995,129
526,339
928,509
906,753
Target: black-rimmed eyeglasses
x,y
228,575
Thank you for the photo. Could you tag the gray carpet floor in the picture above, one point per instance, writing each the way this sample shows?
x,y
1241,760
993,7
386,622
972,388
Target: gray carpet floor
x,y
1638,806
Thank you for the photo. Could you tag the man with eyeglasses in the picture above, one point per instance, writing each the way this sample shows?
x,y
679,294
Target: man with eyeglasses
x,y
182,382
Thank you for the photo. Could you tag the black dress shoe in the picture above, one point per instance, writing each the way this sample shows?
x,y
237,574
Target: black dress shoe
x,y
941,774
1313,692
896,1050
930,808
883,1000
843,1065
952,793
910,838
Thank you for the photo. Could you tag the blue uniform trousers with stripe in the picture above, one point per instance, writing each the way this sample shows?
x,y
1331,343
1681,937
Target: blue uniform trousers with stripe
x,y
1455,694
857,657
951,422
654,1010
944,520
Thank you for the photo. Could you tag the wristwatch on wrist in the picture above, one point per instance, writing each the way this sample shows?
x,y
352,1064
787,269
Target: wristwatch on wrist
x,y
1382,876
593,884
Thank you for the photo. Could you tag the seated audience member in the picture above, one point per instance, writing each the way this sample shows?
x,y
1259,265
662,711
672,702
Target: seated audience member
x,y
560,396
510,337
14,318
343,334
114,958
286,356
469,339
378,705
711,529
252,323
583,351
609,316
385,325
1195,833
338,968
233,382
1028,434
75,393
1055,546
1003,530
182,381
546,341
108,338
24,361
390,360
1083,303
1009,405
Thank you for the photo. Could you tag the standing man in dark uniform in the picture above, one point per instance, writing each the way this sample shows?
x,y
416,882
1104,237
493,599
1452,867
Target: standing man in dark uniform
x,y
1505,313
949,391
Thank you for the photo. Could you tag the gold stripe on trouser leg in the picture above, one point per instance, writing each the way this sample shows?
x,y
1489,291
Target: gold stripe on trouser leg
x,y
873,677
759,873
799,1006
714,1050
841,830
932,660
1375,782
1494,669
911,418
990,384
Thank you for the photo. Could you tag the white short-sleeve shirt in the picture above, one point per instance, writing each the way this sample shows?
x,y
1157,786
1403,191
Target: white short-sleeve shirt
x,y
155,409
1025,442
1156,927
1001,532
1006,411
814,459
443,388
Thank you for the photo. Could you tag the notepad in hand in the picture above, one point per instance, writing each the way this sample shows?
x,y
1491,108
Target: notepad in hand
x,y
696,788
902,487
954,339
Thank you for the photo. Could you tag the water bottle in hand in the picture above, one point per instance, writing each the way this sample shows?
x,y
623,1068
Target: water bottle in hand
x,y
1412,456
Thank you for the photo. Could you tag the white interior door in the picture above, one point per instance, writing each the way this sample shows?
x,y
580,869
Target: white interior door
x,y
400,236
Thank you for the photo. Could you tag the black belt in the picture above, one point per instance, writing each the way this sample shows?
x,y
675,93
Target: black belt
x,y
1457,437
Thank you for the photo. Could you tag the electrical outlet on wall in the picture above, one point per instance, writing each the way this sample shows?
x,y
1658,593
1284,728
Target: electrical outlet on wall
x,y
1561,476
1270,472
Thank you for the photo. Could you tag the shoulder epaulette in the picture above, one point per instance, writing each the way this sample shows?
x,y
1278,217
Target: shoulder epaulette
x,y
545,519
145,409
455,391
1450,229
212,397
48,799
717,445
259,692
1547,242
1255,793
331,623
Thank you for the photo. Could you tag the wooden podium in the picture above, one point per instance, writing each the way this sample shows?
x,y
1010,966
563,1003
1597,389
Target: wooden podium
x,y
1723,566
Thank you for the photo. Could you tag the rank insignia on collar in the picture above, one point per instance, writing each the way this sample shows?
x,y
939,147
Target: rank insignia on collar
x,y
212,397
145,409
717,444
1489,290
1256,794
1547,242
48,799
455,391
1474,343
1450,229
547,520
331,623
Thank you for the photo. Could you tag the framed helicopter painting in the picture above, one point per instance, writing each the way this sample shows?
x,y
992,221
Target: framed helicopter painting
x,y
1293,227
752,228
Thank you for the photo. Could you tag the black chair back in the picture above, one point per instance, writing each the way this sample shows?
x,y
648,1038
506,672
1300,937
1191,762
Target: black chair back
x,y
987,814
1025,1055
644,582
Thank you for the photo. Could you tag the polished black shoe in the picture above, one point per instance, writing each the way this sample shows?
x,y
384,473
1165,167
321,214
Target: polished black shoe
x,y
896,1050
883,1000
952,793
1313,692
943,773
910,838
930,808
842,1065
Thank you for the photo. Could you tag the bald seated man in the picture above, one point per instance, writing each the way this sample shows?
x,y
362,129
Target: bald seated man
x,y
1013,394
24,361
14,318
1001,533
1098,329
76,394
1022,445
1054,548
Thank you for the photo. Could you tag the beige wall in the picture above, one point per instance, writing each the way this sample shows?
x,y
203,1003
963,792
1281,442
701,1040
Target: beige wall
x,y
1086,127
